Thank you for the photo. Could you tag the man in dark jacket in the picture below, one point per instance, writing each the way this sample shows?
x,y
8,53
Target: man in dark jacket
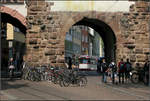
x,y
128,68
104,71
70,63
146,70
121,71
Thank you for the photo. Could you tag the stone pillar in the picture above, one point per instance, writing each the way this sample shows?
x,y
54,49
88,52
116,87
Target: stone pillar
x,y
43,42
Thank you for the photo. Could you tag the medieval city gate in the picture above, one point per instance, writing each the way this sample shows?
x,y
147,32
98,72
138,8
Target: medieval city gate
x,y
125,32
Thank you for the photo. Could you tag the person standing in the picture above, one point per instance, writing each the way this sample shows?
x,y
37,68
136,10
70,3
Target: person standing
x,y
128,68
146,71
70,63
104,71
121,71
11,65
113,68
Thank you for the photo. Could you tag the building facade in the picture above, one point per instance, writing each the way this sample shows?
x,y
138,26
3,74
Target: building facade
x,y
85,38
73,42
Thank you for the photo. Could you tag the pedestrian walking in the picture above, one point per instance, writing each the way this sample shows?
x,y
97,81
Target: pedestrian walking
x,y
104,71
128,68
121,71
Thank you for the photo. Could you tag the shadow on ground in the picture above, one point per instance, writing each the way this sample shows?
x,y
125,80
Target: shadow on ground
x,y
128,85
6,83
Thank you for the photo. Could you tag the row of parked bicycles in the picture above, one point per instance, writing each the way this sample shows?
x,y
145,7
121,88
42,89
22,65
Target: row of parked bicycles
x,y
58,75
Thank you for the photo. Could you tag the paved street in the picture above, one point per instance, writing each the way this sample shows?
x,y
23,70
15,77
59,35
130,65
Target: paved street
x,y
95,90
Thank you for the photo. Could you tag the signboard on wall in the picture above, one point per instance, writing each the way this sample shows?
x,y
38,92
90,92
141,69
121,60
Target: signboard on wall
x,y
10,32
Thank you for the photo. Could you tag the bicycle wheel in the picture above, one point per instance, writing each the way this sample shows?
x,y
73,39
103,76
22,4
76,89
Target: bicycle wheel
x,y
37,76
56,80
53,78
61,82
135,78
65,82
82,81
49,78
32,77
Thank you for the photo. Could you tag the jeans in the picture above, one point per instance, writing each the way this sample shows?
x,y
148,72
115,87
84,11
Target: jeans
x,y
104,77
127,75
113,77
121,75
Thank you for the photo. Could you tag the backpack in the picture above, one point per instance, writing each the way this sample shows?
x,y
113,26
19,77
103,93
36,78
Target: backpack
x,y
128,66
104,67
121,67
114,68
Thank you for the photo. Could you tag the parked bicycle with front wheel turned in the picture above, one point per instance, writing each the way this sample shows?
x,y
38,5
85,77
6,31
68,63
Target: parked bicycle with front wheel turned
x,y
73,77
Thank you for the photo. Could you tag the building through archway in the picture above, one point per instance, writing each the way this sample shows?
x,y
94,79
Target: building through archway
x,y
105,32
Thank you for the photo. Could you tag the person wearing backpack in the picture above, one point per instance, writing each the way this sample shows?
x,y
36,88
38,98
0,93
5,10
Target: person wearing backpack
x,y
104,71
113,68
128,68
121,71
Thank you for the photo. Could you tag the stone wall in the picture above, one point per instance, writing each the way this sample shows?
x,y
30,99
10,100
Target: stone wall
x,y
42,41
135,31
46,32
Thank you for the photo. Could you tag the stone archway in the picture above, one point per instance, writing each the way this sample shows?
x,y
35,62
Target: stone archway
x,y
15,36
108,28
13,13
45,38
14,17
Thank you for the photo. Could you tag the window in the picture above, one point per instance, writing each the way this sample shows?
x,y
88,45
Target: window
x,y
82,49
69,31
86,39
16,29
93,61
82,38
149,8
84,61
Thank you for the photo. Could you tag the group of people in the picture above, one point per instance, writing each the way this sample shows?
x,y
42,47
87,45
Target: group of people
x,y
122,70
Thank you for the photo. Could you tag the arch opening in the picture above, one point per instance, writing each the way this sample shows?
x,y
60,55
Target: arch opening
x,y
106,33
13,33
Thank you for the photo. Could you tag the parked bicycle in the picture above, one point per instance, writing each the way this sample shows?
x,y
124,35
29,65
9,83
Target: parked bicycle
x,y
31,73
138,76
57,75
73,78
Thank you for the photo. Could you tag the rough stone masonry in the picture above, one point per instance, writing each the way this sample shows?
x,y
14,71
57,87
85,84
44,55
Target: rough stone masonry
x,y
46,32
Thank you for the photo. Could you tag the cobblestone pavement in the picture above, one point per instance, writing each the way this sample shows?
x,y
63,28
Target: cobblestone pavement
x,y
95,90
